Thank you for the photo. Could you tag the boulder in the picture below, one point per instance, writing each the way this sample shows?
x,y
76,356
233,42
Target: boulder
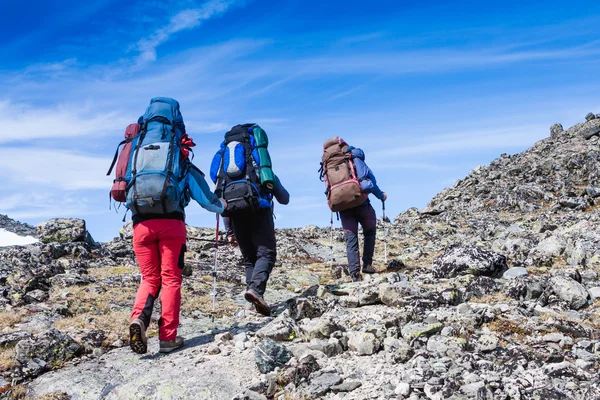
x,y
396,294
52,346
463,260
570,291
64,230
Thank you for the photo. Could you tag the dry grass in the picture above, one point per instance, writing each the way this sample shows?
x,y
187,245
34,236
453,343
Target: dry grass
x,y
10,319
14,392
107,272
7,359
506,327
224,307
117,322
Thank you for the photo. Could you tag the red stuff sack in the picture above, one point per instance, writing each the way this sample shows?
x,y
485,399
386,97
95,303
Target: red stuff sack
x,y
118,191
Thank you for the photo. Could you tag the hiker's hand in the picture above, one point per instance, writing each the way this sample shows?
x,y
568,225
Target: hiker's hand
x,y
384,197
232,241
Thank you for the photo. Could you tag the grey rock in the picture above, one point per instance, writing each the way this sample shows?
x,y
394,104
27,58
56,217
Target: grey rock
x,y
487,343
51,346
306,307
515,272
570,291
397,351
446,345
590,116
594,292
346,387
64,230
330,348
269,355
413,331
397,293
12,338
322,384
462,260
282,328
363,343
556,131
321,328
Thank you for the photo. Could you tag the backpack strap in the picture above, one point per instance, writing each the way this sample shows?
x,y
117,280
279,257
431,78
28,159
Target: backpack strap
x,y
114,161
163,195
133,168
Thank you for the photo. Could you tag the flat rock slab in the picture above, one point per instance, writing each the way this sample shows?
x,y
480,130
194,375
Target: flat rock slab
x,y
184,374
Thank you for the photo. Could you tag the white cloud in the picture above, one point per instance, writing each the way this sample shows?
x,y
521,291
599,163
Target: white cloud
x,y
183,20
21,122
30,168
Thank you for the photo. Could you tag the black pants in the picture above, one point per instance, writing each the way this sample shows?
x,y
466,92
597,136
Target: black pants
x,y
255,234
365,216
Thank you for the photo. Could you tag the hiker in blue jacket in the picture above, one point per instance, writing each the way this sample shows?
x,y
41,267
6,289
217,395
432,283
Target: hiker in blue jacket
x,y
363,215
239,171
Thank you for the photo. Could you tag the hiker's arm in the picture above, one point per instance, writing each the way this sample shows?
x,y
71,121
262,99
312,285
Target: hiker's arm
x,y
200,192
374,188
368,182
282,195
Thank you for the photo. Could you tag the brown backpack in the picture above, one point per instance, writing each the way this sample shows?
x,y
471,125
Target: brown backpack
x,y
339,174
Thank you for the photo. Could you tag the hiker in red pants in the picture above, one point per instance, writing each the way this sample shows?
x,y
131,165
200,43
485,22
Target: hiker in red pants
x,y
160,182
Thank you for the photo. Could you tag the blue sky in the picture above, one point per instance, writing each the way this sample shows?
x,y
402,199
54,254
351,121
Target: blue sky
x,y
428,89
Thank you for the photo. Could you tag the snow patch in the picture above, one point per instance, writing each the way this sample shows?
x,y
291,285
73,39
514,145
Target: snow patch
x,y
12,239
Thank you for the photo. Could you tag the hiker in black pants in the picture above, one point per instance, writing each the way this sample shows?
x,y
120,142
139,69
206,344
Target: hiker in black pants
x,y
255,235
243,174
364,215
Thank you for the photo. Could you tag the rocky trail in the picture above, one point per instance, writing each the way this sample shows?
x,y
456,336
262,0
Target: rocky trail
x,y
491,292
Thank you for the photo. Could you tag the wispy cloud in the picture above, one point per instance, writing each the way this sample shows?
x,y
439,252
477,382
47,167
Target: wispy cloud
x,y
183,20
22,122
53,169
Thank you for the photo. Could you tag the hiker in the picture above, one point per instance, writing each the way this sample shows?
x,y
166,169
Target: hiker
x,y
349,182
241,169
158,184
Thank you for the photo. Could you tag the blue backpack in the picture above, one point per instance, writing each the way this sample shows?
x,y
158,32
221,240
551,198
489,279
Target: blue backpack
x,y
235,169
155,170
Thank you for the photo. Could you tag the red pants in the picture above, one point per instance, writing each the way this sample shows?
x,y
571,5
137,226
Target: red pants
x,y
159,246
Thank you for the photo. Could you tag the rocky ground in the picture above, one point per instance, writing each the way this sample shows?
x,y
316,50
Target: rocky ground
x,y
494,295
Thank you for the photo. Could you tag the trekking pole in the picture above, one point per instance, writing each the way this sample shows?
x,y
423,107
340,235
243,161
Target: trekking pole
x,y
384,235
214,292
331,244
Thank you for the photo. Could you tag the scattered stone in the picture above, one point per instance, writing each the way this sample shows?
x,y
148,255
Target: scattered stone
x,y
346,387
269,355
363,343
515,272
322,384
413,331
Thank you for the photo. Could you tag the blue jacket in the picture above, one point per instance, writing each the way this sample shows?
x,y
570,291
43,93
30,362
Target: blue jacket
x,y
281,195
198,190
365,176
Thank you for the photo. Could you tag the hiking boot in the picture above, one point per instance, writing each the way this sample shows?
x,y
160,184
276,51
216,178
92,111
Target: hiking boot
x,y
356,277
368,269
167,346
137,336
259,303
